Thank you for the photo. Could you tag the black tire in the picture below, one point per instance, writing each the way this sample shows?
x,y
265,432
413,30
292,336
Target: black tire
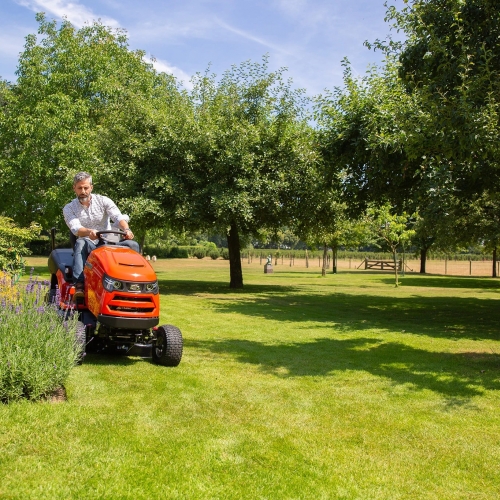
x,y
167,346
51,296
81,341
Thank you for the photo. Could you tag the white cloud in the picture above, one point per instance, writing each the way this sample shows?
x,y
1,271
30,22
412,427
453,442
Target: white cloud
x,y
165,67
172,31
253,38
76,13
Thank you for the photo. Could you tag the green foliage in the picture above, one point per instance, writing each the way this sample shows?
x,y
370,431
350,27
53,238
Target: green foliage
x,y
245,142
37,348
200,253
366,133
13,244
450,62
214,254
178,253
391,229
166,252
57,117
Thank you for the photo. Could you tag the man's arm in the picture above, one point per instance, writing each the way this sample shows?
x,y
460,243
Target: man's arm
x,y
114,213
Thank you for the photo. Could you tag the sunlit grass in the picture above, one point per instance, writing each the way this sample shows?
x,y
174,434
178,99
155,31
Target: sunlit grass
x,y
296,386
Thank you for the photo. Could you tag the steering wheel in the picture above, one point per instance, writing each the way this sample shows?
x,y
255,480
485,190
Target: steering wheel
x,y
115,238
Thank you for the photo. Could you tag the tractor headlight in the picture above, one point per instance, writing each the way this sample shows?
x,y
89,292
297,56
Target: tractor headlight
x,y
152,287
111,284
114,285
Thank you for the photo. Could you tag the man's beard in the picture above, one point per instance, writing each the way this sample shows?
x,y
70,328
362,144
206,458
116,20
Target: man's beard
x,y
84,198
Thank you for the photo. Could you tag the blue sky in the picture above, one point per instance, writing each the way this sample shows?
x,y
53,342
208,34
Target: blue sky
x,y
309,37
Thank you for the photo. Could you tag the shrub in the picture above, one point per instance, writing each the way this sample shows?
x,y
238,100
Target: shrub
x,y
209,245
224,253
200,253
214,254
161,252
166,252
178,253
13,241
38,348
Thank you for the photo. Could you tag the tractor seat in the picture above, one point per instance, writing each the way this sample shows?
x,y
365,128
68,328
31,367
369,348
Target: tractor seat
x,y
62,258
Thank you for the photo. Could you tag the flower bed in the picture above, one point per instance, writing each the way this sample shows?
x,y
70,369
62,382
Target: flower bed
x,y
38,348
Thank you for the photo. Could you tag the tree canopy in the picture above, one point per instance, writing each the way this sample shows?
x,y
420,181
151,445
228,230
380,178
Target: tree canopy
x,y
68,81
241,155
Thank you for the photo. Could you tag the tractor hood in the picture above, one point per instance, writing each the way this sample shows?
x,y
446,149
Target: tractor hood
x,y
122,263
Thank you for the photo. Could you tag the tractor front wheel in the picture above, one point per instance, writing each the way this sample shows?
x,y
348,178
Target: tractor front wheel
x,y
167,346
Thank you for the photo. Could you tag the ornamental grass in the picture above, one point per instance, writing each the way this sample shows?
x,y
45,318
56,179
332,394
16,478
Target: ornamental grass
x,y
37,346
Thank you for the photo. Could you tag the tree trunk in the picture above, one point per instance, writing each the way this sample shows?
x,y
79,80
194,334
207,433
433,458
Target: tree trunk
x,y
325,257
235,271
143,241
494,274
423,259
395,256
334,259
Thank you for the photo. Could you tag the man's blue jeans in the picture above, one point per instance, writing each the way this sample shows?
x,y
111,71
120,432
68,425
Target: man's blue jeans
x,y
81,252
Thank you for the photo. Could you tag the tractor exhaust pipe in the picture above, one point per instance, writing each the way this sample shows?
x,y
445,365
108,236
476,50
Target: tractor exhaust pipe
x,y
53,237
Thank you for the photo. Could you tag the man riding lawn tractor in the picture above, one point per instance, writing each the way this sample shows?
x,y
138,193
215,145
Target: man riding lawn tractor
x,y
108,283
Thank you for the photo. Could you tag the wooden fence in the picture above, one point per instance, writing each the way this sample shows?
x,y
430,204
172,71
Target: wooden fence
x,y
443,267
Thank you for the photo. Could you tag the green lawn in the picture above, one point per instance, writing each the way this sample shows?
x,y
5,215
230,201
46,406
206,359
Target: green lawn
x,y
297,387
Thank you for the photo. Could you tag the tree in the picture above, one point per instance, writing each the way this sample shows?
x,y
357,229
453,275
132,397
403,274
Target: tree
x,y
137,135
450,60
246,150
478,221
368,128
391,229
56,114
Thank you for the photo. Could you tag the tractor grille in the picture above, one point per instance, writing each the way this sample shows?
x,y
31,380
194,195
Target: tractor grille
x,y
136,304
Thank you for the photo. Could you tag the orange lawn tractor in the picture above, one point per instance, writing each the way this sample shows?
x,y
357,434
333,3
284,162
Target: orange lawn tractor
x,y
120,309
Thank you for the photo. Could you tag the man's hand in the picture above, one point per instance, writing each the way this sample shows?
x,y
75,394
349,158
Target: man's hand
x,y
84,232
129,235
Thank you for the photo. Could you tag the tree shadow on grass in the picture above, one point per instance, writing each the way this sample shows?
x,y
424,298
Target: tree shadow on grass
x,y
439,317
453,375
447,282
186,287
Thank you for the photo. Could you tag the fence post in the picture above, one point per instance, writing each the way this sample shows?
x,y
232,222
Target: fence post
x,y
470,267
446,265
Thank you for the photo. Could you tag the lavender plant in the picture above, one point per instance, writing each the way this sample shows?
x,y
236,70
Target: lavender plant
x,y
38,348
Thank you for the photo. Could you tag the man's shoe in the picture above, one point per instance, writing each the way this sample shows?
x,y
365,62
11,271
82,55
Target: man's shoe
x,y
79,292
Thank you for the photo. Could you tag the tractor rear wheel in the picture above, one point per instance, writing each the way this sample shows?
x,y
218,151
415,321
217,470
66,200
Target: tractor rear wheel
x,y
167,346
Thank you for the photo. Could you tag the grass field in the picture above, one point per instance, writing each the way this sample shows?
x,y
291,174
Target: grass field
x,y
296,387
